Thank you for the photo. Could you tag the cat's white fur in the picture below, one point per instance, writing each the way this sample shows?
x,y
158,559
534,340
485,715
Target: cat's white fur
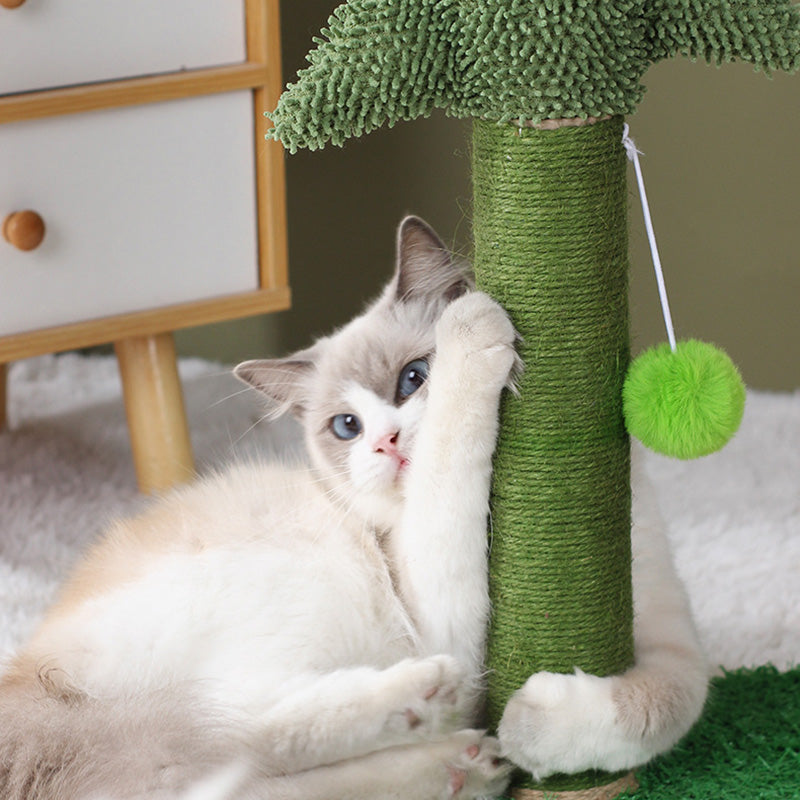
x,y
318,632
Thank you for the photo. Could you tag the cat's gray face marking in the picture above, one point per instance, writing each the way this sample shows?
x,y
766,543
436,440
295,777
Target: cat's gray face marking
x,y
359,409
357,375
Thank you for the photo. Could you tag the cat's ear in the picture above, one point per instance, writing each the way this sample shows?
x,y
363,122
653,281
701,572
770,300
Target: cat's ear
x,y
282,380
425,268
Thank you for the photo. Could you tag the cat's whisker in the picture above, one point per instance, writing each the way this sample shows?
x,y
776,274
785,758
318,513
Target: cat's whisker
x,y
320,477
214,374
226,398
259,421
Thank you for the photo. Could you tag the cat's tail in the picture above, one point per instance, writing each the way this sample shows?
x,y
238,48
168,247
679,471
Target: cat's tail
x,y
69,746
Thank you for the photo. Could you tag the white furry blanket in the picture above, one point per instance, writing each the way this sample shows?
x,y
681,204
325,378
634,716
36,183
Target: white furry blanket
x,y
65,468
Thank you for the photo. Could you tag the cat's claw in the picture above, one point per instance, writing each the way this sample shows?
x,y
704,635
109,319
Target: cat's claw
x,y
477,770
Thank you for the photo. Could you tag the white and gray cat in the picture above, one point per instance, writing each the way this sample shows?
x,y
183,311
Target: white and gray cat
x,y
318,631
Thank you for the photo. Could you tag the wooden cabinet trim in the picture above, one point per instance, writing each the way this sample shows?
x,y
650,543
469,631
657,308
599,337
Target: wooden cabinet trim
x,y
142,323
264,46
133,91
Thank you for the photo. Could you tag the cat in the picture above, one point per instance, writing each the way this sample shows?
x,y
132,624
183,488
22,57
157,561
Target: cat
x,y
282,631
317,630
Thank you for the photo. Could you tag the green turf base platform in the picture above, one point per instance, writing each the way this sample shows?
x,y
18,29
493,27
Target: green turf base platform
x,y
746,745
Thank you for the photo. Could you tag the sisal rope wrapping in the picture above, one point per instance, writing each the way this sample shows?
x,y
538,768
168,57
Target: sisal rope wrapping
x,y
550,228
606,792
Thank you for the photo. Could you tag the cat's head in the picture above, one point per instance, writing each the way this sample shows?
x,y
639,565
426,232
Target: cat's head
x,y
359,393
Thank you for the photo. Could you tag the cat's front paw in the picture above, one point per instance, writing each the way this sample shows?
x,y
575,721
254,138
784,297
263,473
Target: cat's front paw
x,y
476,770
564,723
475,329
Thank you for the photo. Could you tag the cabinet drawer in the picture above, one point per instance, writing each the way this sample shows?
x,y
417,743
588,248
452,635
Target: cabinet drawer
x,y
64,42
143,206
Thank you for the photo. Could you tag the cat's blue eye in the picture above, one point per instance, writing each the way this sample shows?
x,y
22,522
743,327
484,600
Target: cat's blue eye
x,y
346,426
412,376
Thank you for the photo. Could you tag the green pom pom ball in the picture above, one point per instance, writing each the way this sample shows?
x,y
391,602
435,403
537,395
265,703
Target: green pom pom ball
x,y
684,404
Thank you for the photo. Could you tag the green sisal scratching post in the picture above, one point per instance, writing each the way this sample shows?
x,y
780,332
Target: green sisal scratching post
x,y
550,245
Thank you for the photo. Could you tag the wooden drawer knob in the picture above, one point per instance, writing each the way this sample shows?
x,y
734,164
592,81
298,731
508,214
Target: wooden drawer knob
x,y
11,3
23,229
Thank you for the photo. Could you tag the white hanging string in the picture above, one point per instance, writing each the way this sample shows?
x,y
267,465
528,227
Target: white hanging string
x,y
633,155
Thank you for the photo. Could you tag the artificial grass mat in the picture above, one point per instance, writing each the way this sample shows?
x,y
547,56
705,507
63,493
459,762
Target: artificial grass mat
x,y
746,745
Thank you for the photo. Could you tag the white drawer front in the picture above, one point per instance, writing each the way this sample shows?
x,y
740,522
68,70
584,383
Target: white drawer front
x,y
144,206
49,43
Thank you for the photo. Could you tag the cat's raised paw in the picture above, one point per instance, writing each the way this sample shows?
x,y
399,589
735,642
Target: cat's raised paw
x,y
478,322
477,327
477,770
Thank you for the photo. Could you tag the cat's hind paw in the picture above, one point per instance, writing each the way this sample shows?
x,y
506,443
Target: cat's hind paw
x,y
563,723
477,770
432,697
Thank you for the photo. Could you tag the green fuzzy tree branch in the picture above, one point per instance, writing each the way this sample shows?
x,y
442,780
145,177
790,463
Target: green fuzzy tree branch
x,y
383,61
762,32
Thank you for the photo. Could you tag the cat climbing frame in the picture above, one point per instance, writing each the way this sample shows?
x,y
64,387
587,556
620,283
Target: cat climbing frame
x,y
547,85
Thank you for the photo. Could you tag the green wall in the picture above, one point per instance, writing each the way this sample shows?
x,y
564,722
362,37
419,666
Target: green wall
x,y
722,166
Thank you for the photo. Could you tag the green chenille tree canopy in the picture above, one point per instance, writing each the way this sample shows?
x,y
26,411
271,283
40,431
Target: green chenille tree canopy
x,y
550,244
382,61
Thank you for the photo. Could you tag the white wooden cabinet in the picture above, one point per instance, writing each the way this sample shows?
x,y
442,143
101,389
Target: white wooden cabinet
x,y
135,132
50,43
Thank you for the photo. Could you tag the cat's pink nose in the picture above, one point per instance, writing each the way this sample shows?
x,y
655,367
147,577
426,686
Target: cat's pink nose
x,y
387,444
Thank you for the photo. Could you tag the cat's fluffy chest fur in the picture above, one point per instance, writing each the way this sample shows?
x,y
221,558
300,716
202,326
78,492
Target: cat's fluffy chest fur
x,y
288,581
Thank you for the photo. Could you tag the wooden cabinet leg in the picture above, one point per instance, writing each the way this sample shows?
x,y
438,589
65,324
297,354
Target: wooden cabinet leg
x,y
3,395
162,451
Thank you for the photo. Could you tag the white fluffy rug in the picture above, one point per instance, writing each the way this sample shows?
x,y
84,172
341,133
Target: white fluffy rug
x,y
65,469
